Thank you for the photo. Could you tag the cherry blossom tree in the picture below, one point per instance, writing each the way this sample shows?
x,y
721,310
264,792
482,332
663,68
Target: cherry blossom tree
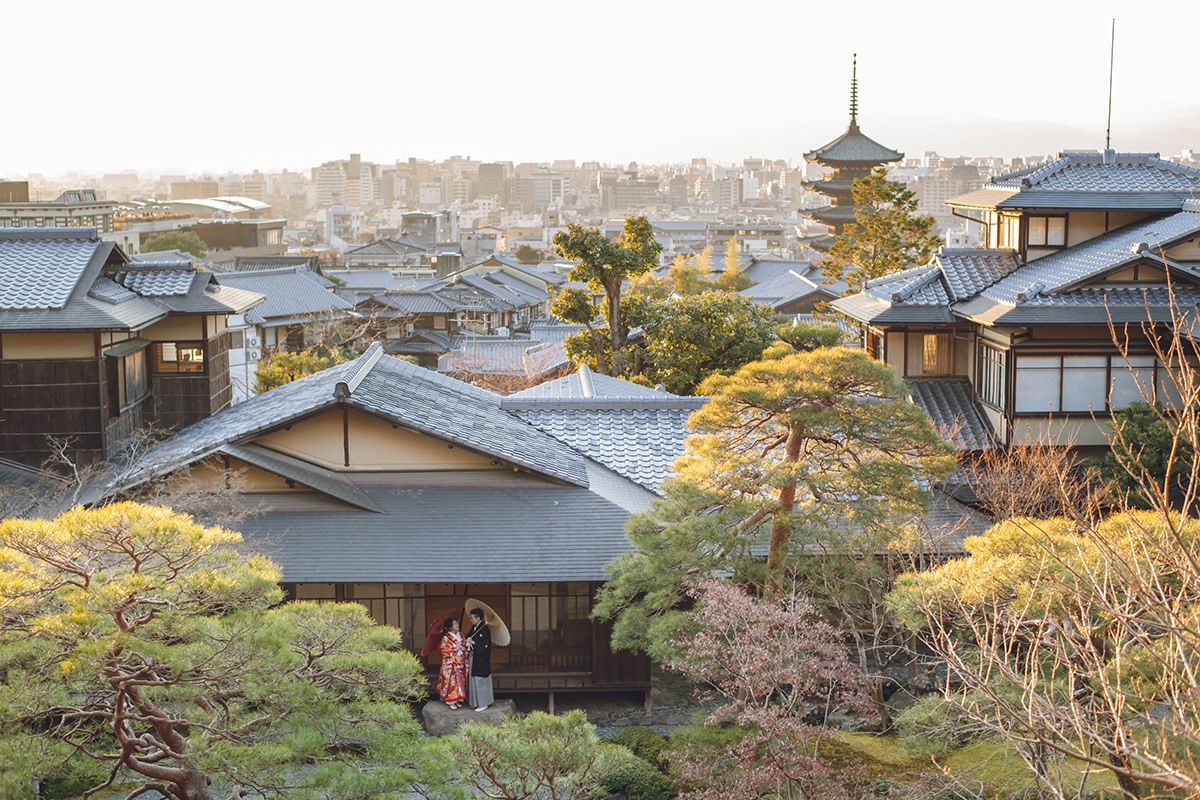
x,y
778,670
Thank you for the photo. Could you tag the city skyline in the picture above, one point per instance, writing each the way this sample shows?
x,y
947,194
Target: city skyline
x,y
633,83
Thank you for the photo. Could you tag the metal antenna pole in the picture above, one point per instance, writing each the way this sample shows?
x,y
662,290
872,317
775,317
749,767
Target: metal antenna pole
x,y
1112,47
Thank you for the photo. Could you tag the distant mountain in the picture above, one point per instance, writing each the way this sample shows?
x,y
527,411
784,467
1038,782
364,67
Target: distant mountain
x,y
982,136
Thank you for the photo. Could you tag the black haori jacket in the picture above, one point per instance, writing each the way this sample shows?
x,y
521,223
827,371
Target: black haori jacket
x,y
481,653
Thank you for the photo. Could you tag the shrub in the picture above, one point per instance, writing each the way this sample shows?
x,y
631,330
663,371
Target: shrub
x,y
639,780
644,743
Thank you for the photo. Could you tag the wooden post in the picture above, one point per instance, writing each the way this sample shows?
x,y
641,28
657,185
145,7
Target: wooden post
x,y
550,704
649,703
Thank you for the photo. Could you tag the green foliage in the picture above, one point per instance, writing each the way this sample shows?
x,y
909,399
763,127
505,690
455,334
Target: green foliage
x,y
136,636
732,281
605,266
825,443
185,241
524,254
644,743
934,724
887,235
282,367
640,780
690,338
1148,449
807,336
537,756
692,275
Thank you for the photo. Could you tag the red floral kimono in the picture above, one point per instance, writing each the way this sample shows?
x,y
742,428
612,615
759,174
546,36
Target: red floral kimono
x,y
452,678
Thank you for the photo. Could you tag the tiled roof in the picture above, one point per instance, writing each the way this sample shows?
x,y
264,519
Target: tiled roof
x,y
968,272
255,263
1092,172
948,522
991,286
412,396
1089,306
785,288
853,147
415,302
640,444
1093,257
504,357
868,308
1137,181
917,286
41,267
110,291
634,431
551,330
948,403
580,384
445,527
291,293
461,413
157,279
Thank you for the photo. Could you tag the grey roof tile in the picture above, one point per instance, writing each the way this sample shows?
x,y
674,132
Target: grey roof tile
x,y
781,289
504,357
1088,172
582,383
853,146
637,443
157,279
291,293
41,267
968,272
1093,257
948,403
530,530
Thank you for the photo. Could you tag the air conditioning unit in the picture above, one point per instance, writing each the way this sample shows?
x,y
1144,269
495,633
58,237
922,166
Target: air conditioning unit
x,y
255,355
252,341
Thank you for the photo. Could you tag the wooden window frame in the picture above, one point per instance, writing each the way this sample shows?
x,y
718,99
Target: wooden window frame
x,y
1113,366
939,336
1066,231
117,368
1000,385
158,362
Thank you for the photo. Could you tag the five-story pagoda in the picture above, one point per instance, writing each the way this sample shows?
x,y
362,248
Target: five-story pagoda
x,y
852,155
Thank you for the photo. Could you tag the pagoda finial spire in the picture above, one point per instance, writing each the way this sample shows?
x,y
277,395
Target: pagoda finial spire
x,y
854,92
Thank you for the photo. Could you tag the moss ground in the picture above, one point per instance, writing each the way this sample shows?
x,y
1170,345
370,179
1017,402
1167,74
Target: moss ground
x,y
984,769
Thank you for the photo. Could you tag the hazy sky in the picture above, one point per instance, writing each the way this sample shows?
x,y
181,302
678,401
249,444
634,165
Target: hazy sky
x,y
214,86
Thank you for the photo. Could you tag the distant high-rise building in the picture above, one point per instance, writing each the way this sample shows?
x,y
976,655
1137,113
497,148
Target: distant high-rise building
x,y
195,190
852,155
493,182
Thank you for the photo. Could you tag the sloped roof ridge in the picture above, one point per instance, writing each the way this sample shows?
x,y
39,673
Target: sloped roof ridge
x,y
1174,167
911,289
42,234
1013,174
1046,170
895,276
254,273
363,365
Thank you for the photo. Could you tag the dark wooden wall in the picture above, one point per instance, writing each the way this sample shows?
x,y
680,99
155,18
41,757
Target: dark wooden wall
x,y
616,668
180,400
55,398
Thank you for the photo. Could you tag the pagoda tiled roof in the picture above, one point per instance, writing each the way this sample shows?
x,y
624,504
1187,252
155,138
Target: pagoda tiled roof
x,y
853,147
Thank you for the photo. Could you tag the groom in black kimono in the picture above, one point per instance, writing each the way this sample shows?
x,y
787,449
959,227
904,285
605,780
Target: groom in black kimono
x,y
479,686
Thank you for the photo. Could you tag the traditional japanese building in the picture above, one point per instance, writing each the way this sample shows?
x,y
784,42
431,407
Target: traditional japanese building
x,y
1042,334
852,155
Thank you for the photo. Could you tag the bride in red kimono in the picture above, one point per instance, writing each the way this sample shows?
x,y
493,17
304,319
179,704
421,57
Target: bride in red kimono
x,y
452,678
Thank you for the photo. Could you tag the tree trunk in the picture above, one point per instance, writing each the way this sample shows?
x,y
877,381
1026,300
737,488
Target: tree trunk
x,y
781,520
196,785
